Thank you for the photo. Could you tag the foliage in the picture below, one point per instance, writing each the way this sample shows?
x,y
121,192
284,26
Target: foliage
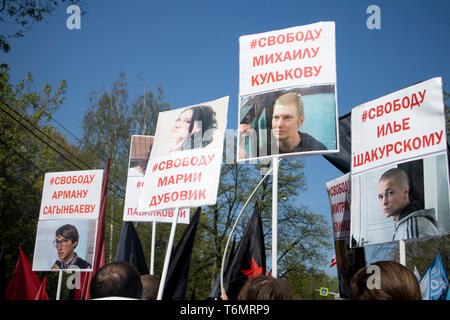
x,y
108,123
29,147
420,254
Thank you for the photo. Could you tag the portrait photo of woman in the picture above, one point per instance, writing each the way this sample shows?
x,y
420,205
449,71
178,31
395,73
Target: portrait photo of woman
x,y
193,128
190,128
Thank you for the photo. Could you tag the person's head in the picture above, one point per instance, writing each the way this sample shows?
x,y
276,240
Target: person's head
x,y
198,122
287,116
150,285
116,279
385,280
66,240
266,288
393,192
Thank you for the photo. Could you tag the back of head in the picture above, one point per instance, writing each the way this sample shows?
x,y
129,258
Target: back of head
x,y
117,279
385,280
150,285
266,288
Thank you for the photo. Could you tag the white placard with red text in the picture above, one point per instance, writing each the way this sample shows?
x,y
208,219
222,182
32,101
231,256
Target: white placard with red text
x,y
187,178
405,130
71,195
339,193
303,55
140,149
299,59
402,125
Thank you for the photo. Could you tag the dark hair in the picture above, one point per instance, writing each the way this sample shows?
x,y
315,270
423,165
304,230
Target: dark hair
x,y
150,285
69,232
119,279
207,117
266,288
396,282
140,163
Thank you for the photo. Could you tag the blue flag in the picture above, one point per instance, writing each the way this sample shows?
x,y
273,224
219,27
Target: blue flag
x,y
434,282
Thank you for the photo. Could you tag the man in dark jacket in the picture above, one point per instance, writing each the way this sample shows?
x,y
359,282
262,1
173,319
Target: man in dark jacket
x,y
411,221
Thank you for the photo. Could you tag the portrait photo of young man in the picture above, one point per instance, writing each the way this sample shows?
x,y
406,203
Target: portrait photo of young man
x,y
65,244
403,201
66,240
292,121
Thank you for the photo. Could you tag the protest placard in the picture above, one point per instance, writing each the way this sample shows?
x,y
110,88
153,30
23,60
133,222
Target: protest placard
x,y
140,150
348,260
184,166
287,92
400,184
339,193
71,195
402,125
66,232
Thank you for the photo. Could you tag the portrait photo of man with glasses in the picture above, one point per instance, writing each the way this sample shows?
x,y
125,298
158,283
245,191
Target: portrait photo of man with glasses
x,y
66,240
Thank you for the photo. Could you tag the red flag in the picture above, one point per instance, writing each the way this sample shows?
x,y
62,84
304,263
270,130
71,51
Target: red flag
x,y
99,259
42,294
24,283
333,261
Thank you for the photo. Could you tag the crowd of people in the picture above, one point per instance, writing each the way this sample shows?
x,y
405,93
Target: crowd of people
x,y
382,280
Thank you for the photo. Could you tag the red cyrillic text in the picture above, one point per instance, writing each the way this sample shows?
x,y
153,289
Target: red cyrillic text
x,y
287,74
285,56
196,194
339,188
340,207
84,179
309,35
179,179
398,104
398,147
165,213
392,127
69,209
194,161
341,226
69,194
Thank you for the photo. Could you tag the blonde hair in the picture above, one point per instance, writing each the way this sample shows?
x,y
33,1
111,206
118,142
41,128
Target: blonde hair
x,y
291,98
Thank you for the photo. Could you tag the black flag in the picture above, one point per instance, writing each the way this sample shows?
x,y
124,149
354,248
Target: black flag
x,y
342,159
129,248
215,293
249,258
180,260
